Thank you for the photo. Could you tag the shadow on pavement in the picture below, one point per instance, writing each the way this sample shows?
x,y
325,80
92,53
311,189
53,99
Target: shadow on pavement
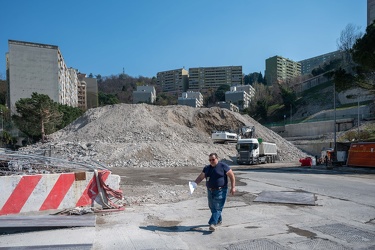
x,y
199,228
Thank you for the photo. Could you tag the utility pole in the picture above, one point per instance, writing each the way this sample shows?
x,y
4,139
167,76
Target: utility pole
x,y
334,124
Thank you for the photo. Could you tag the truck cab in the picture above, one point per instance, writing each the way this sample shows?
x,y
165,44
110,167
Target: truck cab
x,y
247,151
255,151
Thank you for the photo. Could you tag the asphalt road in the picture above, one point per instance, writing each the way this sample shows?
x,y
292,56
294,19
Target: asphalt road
x,y
342,217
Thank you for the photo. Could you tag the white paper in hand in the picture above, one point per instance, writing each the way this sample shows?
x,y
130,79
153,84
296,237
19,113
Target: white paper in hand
x,y
192,186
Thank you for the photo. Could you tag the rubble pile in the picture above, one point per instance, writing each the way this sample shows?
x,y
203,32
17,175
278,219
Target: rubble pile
x,y
142,135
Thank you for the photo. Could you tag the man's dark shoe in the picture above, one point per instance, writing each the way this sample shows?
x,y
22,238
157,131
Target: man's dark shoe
x,y
212,228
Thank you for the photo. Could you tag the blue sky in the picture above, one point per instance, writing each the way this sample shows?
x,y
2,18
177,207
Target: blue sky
x,y
143,37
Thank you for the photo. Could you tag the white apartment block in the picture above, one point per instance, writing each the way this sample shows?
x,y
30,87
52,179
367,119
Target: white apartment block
x,y
191,98
247,88
40,68
240,96
144,94
205,78
173,81
228,105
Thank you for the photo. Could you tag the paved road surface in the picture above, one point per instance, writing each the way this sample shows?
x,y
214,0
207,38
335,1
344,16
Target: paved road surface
x,y
343,217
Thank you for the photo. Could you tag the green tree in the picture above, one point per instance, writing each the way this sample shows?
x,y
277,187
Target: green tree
x,y
288,96
69,114
37,116
363,51
99,78
164,99
220,92
359,71
363,54
260,78
253,78
262,109
107,99
260,102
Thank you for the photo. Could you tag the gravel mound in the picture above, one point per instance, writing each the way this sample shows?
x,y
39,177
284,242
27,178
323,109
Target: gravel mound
x,y
142,135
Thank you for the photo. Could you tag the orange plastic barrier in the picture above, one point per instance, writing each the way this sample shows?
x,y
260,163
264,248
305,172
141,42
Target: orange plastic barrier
x,y
361,154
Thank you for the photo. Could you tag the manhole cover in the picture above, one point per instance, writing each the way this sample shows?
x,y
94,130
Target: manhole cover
x,y
258,244
347,233
301,198
318,244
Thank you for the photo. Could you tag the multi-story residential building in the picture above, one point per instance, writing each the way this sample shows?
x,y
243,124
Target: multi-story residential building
x,y
91,92
144,94
228,105
280,69
309,64
240,96
205,78
173,81
370,11
82,95
34,67
247,88
191,98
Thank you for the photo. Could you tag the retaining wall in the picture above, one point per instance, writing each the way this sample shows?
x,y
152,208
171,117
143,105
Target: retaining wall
x,y
28,193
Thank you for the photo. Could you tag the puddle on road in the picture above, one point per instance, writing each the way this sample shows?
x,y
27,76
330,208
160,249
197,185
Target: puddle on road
x,y
301,232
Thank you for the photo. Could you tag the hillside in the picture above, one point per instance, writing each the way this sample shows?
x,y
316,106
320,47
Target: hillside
x,y
141,135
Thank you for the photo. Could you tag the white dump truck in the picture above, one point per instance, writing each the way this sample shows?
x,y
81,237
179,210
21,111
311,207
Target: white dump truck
x,y
255,151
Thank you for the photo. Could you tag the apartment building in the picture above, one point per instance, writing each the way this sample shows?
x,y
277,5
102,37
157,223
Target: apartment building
x,y
370,11
91,92
191,98
35,67
204,78
228,105
144,94
240,96
280,69
82,95
173,81
309,64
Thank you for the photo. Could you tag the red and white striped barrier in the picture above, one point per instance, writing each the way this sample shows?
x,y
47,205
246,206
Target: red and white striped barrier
x,y
29,193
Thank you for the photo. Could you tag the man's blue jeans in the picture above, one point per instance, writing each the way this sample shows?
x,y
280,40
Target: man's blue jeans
x,y
216,201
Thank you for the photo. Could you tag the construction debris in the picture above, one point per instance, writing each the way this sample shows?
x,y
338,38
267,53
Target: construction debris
x,y
21,163
148,136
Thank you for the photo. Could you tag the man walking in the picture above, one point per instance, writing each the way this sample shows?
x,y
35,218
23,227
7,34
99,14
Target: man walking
x,y
216,175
